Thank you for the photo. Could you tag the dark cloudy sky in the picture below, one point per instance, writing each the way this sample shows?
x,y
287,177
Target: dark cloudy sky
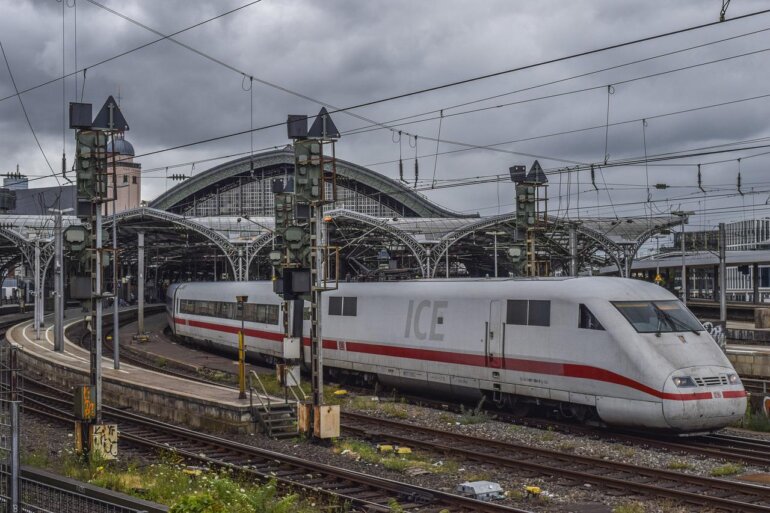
x,y
346,52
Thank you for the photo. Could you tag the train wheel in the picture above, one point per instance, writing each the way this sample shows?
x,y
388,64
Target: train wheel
x,y
519,409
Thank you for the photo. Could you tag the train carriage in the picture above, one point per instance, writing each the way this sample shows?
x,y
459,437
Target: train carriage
x,y
624,352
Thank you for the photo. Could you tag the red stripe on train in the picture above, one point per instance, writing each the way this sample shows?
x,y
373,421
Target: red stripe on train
x,y
249,332
569,370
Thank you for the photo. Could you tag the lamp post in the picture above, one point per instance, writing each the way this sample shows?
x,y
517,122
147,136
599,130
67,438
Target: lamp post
x,y
58,323
240,300
683,217
495,234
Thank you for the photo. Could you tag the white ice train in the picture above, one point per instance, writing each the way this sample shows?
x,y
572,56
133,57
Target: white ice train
x,y
618,351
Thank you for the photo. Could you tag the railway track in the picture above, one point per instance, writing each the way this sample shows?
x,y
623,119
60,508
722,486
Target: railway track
x,y
571,469
705,492
750,451
721,446
335,485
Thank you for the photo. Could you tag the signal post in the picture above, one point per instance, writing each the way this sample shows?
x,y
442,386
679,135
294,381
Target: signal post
x,y
301,258
91,169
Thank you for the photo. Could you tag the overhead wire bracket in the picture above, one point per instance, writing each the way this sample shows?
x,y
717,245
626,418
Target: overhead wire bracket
x,y
723,11
700,182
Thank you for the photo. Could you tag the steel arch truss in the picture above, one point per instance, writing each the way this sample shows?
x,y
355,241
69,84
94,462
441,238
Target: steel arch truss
x,y
231,251
439,250
27,249
418,250
252,249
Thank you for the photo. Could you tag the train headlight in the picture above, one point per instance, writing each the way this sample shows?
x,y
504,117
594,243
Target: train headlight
x,y
683,381
733,379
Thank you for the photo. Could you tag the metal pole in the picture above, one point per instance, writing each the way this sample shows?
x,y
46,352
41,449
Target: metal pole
x,y
37,289
97,296
140,283
318,365
446,261
573,271
58,323
722,275
684,266
495,236
755,282
241,358
15,459
115,324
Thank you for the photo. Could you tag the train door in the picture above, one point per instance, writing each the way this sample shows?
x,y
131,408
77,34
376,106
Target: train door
x,y
495,334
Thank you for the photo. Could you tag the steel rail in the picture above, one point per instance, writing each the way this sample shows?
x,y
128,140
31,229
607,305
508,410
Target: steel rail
x,y
702,491
716,446
340,485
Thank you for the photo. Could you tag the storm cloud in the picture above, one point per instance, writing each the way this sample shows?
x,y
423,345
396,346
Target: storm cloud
x,y
347,52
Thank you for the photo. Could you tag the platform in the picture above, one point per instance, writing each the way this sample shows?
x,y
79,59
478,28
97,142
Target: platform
x,y
750,360
160,347
171,398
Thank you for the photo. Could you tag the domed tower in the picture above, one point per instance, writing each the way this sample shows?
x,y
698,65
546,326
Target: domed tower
x,y
129,175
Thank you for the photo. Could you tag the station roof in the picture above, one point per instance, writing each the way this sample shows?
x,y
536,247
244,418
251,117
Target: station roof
x,y
699,259
391,193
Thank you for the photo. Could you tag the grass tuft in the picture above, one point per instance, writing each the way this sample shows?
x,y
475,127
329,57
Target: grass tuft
x,y
630,507
728,469
679,465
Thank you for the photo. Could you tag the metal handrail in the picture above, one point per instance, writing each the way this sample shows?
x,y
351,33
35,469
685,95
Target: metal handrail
x,y
252,375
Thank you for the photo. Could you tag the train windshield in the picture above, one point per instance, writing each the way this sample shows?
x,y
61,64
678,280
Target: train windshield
x,y
658,316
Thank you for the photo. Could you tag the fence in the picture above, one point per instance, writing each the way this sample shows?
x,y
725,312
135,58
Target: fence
x,y
38,491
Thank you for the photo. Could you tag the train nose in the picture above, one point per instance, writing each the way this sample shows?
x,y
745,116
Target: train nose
x,y
703,398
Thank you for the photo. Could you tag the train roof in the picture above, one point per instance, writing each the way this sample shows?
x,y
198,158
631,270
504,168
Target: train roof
x,y
575,288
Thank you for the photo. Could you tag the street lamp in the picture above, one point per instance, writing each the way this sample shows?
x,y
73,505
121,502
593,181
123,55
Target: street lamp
x,y
683,219
240,300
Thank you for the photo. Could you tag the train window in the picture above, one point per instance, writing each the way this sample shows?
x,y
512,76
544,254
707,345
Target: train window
x,y
350,306
272,314
225,310
335,305
250,312
262,313
187,307
678,316
539,313
516,312
306,313
658,316
588,320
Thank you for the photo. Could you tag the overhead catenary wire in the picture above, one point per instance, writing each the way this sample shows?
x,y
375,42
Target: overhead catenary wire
x,y
450,84
128,52
645,161
438,142
566,79
511,70
335,109
26,116
597,127
623,44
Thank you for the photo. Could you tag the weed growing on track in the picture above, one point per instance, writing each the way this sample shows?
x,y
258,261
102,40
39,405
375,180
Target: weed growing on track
x,y
679,465
728,469
755,422
392,461
631,507
184,489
